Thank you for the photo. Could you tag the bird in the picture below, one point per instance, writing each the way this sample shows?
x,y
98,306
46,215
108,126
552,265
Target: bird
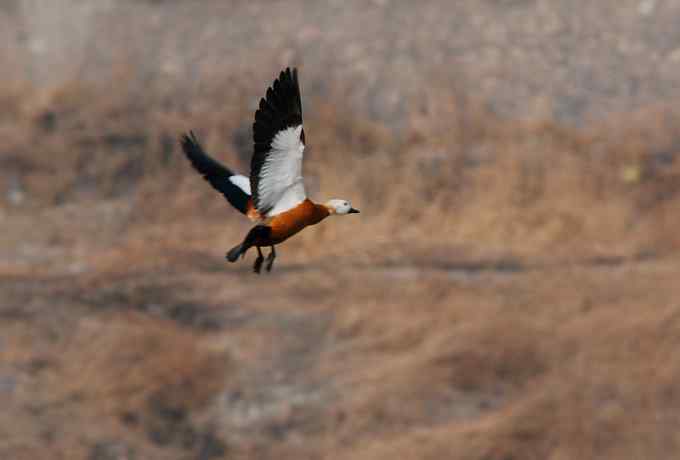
x,y
274,195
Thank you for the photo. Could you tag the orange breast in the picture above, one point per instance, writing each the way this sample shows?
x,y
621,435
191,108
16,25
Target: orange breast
x,y
288,223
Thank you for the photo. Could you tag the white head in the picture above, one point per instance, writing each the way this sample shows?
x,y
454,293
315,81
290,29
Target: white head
x,y
340,207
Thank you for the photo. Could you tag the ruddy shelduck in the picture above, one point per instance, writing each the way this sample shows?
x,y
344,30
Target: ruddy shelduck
x,y
274,195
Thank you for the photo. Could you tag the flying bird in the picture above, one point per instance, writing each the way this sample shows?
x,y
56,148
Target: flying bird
x,y
274,195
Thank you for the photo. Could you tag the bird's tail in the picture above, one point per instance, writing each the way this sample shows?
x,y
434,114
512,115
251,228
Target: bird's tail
x,y
259,232
235,252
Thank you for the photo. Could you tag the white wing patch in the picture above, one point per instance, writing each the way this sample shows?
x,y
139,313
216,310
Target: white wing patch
x,y
292,196
241,182
281,186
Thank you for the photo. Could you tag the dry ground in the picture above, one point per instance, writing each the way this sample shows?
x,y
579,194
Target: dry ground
x,y
508,292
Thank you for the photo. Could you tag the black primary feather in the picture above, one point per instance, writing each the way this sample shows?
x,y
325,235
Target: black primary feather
x,y
215,173
279,110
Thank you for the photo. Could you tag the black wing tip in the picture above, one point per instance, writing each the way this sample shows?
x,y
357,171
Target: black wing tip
x,y
282,97
214,172
280,108
286,86
188,136
189,142
289,73
199,159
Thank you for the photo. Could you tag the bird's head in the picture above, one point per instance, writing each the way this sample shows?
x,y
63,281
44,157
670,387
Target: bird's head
x,y
340,207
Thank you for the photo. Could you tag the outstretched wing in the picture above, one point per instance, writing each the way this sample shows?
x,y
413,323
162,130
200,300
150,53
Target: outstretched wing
x,y
234,187
276,167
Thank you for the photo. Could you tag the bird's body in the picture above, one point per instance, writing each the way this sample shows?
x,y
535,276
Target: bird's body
x,y
274,195
290,222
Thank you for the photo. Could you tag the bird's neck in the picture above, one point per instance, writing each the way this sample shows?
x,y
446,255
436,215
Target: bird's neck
x,y
321,211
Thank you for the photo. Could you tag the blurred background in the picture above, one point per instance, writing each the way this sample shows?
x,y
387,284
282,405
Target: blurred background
x,y
509,291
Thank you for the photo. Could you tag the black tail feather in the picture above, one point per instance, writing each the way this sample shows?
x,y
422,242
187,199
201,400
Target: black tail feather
x,y
260,232
235,252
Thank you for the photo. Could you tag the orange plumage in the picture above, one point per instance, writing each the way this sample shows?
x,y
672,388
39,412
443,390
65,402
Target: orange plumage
x,y
251,211
288,223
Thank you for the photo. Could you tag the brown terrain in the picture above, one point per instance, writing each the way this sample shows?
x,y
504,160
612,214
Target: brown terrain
x,y
510,290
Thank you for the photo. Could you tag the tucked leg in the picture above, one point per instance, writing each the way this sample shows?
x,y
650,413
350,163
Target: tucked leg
x,y
270,259
258,262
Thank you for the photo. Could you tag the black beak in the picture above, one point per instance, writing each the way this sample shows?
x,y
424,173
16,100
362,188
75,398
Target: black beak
x,y
353,211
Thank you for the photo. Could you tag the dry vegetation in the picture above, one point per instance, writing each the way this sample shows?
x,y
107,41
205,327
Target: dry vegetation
x,y
508,292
